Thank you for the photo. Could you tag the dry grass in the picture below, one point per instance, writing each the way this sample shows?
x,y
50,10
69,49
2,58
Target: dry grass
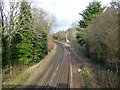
x,y
100,78
14,80
96,76
50,42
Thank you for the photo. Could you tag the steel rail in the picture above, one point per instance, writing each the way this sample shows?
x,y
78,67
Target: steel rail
x,y
61,68
51,74
68,85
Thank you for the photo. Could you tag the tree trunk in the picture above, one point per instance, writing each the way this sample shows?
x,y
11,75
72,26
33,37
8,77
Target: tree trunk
x,y
10,36
1,9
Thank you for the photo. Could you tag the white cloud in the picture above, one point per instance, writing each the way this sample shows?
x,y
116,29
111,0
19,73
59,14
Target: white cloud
x,y
66,11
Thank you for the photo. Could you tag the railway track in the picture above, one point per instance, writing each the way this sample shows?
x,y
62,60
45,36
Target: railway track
x,y
54,77
56,72
68,68
48,71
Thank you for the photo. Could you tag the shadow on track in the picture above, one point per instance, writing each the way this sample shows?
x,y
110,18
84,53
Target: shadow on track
x,y
37,87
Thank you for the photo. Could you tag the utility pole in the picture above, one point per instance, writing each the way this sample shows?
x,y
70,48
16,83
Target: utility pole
x,y
66,35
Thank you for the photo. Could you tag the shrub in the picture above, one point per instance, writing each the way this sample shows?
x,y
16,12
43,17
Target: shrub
x,y
102,35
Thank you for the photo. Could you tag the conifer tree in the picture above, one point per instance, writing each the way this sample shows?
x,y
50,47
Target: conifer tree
x,y
25,20
90,13
25,50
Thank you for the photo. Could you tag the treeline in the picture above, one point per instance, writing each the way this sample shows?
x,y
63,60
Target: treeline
x,y
98,42
71,34
61,35
25,33
98,32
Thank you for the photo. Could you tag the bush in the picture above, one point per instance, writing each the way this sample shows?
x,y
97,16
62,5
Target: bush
x,y
102,35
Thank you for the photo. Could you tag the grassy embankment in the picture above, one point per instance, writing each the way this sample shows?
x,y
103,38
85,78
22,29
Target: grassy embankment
x,y
96,76
22,74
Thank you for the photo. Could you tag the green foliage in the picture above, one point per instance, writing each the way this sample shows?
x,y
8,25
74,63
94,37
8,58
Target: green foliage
x,y
25,52
5,51
21,43
100,54
86,52
98,32
80,39
40,49
90,13
29,43
17,38
26,21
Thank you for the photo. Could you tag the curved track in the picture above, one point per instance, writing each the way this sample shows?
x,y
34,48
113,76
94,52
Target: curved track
x,y
58,72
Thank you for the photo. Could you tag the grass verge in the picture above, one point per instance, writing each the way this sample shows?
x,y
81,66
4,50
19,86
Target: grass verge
x,y
94,75
18,79
13,82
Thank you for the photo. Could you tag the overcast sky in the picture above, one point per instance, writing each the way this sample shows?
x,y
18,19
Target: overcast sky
x,y
65,11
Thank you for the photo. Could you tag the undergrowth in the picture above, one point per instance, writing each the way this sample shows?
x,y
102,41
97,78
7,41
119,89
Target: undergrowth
x,y
100,78
13,82
96,75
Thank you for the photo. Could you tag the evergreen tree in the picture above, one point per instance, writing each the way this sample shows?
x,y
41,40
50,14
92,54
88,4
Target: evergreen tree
x,y
26,31
90,13
26,21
